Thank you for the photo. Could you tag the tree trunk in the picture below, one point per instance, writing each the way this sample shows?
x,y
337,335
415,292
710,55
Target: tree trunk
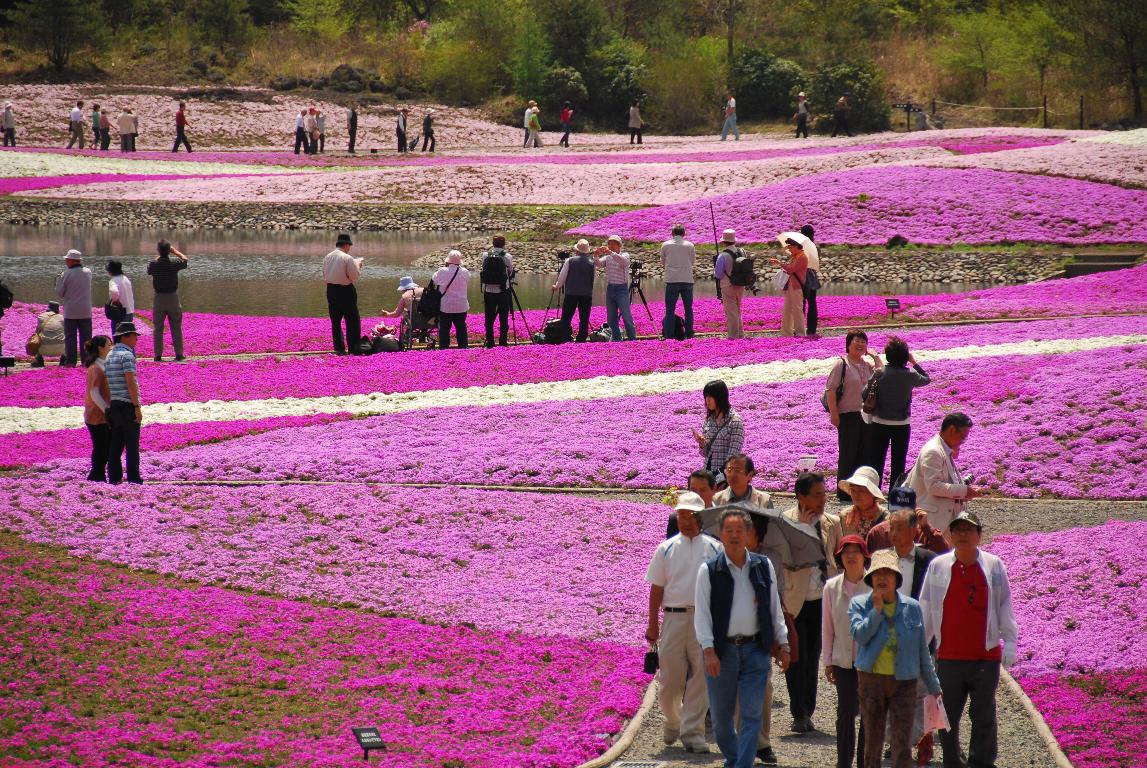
x,y
732,16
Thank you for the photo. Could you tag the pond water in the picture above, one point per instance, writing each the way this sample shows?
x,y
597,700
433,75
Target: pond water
x,y
277,272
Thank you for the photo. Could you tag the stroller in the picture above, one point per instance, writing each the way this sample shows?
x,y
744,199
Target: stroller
x,y
412,145
417,328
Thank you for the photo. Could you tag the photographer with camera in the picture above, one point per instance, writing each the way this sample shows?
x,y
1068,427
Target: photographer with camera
x,y
734,272
678,257
616,264
496,275
576,277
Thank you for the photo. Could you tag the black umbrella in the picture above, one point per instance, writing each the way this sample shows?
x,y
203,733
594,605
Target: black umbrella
x,y
800,541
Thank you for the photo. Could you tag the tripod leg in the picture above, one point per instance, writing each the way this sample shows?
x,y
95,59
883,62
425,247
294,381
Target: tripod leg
x,y
518,303
645,303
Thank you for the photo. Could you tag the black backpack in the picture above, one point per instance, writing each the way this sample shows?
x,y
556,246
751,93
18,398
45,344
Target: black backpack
x,y
6,296
430,305
678,328
741,270
494,270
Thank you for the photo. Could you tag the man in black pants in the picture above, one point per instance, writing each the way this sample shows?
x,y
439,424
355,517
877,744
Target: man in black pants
x,y
400,129
301,141
497,269
812,282
340,271
576,276
124,412
428,130
803,597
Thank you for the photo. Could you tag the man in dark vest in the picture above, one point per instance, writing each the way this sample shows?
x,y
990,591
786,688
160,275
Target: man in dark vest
x,y
576,276
737,619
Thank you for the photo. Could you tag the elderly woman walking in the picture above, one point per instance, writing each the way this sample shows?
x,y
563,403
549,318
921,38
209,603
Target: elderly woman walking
x,y
838,649
892,654
846,381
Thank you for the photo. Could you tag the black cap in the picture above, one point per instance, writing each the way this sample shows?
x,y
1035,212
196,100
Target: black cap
x,y
966,517
125,328
343,239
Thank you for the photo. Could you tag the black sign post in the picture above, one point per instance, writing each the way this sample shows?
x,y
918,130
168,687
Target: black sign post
x,y
893,305
368,739
908,108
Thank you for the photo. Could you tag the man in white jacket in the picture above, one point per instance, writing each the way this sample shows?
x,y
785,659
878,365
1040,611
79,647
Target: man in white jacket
x,y
967,604
940,490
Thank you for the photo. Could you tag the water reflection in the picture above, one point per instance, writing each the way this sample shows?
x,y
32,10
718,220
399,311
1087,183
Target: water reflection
x,y
260,272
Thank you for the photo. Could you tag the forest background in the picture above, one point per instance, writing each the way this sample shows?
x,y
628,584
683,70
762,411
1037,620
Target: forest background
x,y
1087,58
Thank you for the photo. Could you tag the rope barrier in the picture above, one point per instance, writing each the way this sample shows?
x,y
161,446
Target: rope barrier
x,y
980,106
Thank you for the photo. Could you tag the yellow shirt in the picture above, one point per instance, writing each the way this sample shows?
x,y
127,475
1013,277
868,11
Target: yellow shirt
x,y
886,661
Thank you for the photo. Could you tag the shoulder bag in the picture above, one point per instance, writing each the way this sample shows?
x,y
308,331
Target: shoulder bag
x,y
839,387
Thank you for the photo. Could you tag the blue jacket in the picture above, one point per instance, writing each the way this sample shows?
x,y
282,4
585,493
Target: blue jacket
x,y
870,630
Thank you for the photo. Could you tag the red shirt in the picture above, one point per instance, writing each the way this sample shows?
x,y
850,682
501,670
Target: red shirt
x,y
567,115
965,623
180,120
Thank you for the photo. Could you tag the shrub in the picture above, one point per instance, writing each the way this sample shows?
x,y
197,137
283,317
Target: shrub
x,y
765,85
686,85
614,79
865,86
561,84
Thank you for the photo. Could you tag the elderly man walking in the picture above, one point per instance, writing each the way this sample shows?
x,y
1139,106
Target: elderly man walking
x,y
967,602
672,578
940,489
76,125
74,287
804,590
738,620
678,256
340,272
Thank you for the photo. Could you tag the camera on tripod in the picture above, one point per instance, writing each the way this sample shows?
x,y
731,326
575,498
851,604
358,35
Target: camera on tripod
x,y
563,255
635,269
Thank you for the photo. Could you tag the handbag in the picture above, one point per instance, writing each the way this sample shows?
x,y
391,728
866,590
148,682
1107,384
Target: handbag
x,y
652,661
935,716
780,279
812,282
33,345
870,390
115,312
839,387
430,303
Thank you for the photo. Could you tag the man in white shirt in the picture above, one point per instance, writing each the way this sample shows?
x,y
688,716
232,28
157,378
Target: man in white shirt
x,y
737,619
526,122
340,272
678,256
672,578
939,488
301,140
730,118
76,125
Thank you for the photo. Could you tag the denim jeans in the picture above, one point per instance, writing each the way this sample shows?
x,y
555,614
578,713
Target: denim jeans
x,y
672,291
744,675
617,302
730,125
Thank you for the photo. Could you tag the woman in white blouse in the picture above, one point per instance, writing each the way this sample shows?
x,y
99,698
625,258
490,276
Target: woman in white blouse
x,y
120,293
838,649
453,280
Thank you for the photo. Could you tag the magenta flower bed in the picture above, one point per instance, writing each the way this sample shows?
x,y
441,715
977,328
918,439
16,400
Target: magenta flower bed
x,y
961,145
15,185
1080,598
931,206
1084,441
105,668
30,448
441,555
202,380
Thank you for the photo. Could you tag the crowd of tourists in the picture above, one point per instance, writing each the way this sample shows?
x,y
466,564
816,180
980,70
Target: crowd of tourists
x,y
891,595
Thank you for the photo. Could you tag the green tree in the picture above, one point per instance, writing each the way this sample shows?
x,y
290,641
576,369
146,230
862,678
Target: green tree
x,y
616,72
766,86
224,24
58,28
1113,41
324,18
864,84
574,29
530,60
1036,42
976,48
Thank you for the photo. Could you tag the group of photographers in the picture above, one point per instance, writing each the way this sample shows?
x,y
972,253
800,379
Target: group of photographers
x,y
576,278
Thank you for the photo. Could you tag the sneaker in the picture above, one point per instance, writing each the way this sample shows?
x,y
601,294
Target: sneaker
x,y
698,747
798,725
767,756
669,735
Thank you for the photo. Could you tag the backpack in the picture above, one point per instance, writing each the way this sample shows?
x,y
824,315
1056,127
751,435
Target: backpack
x,y
551,332
6,296
430,305
494,270
741,271
678,328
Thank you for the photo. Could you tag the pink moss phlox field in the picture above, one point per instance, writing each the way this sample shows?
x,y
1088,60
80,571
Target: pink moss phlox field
x,y
932,206
106,668
25,449
443,555
9,186
1086,441
320,376
1080,597
1095,161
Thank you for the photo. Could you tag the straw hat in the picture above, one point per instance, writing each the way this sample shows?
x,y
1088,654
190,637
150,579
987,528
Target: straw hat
x,y
884,560
865,477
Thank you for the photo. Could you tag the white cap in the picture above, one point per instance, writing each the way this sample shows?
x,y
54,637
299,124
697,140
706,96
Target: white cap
x,y
729,236
73,255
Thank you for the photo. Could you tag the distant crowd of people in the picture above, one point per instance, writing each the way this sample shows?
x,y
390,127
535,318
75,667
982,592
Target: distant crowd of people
x,y
892,597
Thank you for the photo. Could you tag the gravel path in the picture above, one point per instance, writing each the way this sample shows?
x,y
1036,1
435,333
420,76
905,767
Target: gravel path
x,y
1020,744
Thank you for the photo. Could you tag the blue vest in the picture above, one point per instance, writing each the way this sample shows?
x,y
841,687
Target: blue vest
x,y
579,277
721,598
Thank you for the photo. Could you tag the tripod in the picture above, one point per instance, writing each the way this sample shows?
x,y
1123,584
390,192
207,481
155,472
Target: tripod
x,y
635,288
516,302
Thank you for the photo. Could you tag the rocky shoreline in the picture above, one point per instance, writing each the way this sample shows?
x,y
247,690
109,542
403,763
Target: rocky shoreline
x,y
841,264
546,223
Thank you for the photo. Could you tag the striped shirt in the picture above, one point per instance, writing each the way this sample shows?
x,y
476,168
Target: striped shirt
x,y
120,362
165,274
616,267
